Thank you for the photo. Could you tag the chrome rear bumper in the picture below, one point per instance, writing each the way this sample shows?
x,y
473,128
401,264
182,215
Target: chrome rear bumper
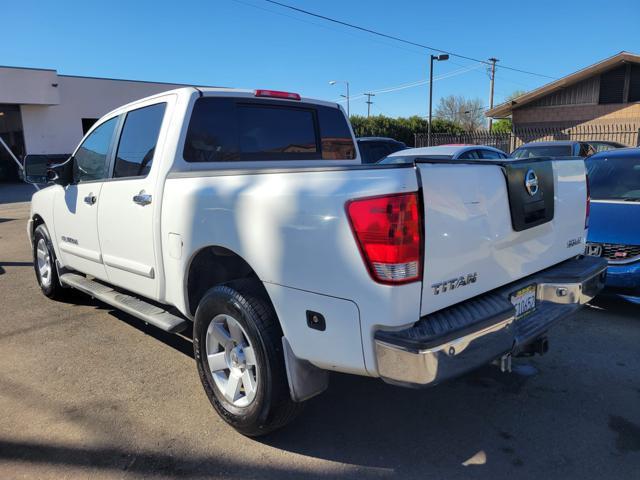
x,y
473,333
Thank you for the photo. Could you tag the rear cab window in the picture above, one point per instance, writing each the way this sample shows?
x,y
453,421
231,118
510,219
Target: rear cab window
x,y
225,129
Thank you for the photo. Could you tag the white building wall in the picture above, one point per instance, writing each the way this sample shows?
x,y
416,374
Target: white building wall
x,y
55,129
28,85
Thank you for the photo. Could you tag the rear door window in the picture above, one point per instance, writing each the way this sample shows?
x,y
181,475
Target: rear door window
x,y
470,155
490,155
227,129
138,141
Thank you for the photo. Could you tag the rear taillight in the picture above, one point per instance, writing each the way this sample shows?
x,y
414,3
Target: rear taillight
x,y
389,233
588,209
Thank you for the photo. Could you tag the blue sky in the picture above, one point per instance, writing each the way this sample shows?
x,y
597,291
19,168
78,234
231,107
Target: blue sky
x,y
253,44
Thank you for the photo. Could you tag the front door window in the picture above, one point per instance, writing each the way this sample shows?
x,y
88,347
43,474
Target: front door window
x,y
91,158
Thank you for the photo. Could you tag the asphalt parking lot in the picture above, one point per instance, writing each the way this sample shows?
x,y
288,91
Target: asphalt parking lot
x,y
89,392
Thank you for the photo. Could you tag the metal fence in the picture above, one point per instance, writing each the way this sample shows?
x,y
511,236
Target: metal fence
x,y
626,134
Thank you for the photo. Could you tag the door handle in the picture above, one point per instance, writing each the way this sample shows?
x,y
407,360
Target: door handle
x,y
90,199
142,198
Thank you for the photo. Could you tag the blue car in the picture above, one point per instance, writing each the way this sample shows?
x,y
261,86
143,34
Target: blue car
x,y
614,222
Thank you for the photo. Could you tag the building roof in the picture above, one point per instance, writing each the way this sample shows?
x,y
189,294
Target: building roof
x,y
504,109
13,67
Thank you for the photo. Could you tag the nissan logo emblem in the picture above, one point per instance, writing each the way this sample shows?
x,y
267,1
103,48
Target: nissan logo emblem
x,y
531,182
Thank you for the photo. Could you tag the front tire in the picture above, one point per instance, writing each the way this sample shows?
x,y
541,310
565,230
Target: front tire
x,y
44,263
237,343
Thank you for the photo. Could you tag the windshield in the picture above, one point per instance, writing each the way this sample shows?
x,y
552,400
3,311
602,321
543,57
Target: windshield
x,y
411,159
543,151
616,178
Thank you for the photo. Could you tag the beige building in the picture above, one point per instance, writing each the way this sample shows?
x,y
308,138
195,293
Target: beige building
x,y
43,112
604,96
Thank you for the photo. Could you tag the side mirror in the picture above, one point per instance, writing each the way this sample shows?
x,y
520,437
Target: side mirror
x,y
35,169
61,173
44,169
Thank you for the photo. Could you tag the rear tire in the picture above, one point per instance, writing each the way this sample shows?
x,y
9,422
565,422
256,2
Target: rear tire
x,y
44,263
237,342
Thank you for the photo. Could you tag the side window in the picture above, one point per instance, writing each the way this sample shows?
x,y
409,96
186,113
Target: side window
x,y
378,152
91,158
469,155
138,141
586,150
490,155
365,152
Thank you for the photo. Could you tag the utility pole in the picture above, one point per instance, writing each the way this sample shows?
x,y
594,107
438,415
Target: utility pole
x,y
492,77
439,58
369,102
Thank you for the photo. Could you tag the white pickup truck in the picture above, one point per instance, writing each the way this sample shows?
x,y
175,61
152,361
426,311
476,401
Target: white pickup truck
x,y
247,217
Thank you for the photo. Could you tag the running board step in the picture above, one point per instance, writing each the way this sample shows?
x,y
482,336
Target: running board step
x,y
127,303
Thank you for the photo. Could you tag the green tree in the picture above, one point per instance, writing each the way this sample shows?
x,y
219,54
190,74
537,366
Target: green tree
x,y
401,128
504,125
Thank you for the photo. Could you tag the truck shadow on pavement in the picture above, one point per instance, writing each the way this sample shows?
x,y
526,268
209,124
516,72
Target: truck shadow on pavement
x,y
488,422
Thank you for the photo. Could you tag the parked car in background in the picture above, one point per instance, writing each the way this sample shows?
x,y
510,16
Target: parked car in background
x,y
372,149
446,152
556,148
614,223
605,145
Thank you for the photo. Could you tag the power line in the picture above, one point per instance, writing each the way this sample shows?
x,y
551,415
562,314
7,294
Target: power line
x,y
414,84
398,39
298,19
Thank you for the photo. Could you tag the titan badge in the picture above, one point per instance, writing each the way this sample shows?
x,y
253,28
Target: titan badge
x,y
452,284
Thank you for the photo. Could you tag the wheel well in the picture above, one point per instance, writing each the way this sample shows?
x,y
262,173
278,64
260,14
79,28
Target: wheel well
x,y
37,220
215,265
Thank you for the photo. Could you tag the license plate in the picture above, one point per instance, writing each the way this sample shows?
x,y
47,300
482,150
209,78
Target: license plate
x,y
524,300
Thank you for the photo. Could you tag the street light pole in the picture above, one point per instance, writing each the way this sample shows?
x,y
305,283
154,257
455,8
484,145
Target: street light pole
x,y
438,58
333,82
348,109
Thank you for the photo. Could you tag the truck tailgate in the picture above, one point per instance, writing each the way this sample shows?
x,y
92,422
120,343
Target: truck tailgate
x,y
475,238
